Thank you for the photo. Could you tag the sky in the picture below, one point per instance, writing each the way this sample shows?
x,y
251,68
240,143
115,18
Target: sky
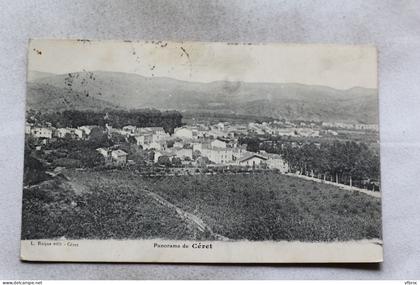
x,y
336,66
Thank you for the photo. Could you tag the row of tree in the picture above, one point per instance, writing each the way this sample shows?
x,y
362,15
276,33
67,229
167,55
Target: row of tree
x,y
215,117
169,120
343,162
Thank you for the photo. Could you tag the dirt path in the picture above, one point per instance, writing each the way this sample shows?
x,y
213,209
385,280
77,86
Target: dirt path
x,y
191,219
341,186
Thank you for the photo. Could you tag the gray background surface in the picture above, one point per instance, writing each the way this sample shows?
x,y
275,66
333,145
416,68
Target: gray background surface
x,y
393,26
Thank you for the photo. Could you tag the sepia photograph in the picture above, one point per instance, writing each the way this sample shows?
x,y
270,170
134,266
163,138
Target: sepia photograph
x,y
203,152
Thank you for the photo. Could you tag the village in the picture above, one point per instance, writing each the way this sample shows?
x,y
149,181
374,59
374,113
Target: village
x,y
216,146
193,146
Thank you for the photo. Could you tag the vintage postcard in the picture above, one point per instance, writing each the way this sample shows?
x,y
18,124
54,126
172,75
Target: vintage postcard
x,y
201,152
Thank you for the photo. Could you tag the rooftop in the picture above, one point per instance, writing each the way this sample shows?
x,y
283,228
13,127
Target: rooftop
x,y
119,152
247,157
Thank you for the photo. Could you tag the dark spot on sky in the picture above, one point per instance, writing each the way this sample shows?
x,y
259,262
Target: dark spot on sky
x,y
83,40
186,53
38,51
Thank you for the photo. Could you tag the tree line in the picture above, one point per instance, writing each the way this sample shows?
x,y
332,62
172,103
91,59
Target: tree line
x,y
215,117
341,162
169,120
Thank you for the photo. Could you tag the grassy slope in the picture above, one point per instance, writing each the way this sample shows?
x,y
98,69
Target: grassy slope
x,y
54,210
253,207
275,207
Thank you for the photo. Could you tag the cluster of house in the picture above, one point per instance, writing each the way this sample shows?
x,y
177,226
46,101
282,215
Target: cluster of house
x,y
113,156
193,145
197,144
48,132
348,126
284,129
303,129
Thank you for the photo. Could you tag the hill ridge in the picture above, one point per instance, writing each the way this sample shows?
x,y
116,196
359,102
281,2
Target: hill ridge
x,y
277,100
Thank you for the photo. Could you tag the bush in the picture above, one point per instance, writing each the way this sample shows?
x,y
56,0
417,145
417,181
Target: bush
x,y
68,162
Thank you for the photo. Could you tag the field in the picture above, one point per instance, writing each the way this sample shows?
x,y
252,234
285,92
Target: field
x,y
262,206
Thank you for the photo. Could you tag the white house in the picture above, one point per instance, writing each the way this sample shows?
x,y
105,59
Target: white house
x,y
155,134
153,145
231,134
253,160
334,133
220,126
144,139
155,130
218,143
307,132
83,132
87,129
197,146
216,133
151,130
218,155
116,157
79,133
62,132
157,154
255,128
238,152
183,152
104,152
157,137
275,161
45,133
285,132
28,128
158,134
183,133
119,157
178,145
372,127
129,129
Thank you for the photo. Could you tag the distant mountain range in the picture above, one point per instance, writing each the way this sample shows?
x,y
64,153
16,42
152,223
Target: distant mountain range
x,y
47,97
98,90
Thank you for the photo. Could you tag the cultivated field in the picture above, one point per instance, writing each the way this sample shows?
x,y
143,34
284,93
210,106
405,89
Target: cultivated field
x,y
262,206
